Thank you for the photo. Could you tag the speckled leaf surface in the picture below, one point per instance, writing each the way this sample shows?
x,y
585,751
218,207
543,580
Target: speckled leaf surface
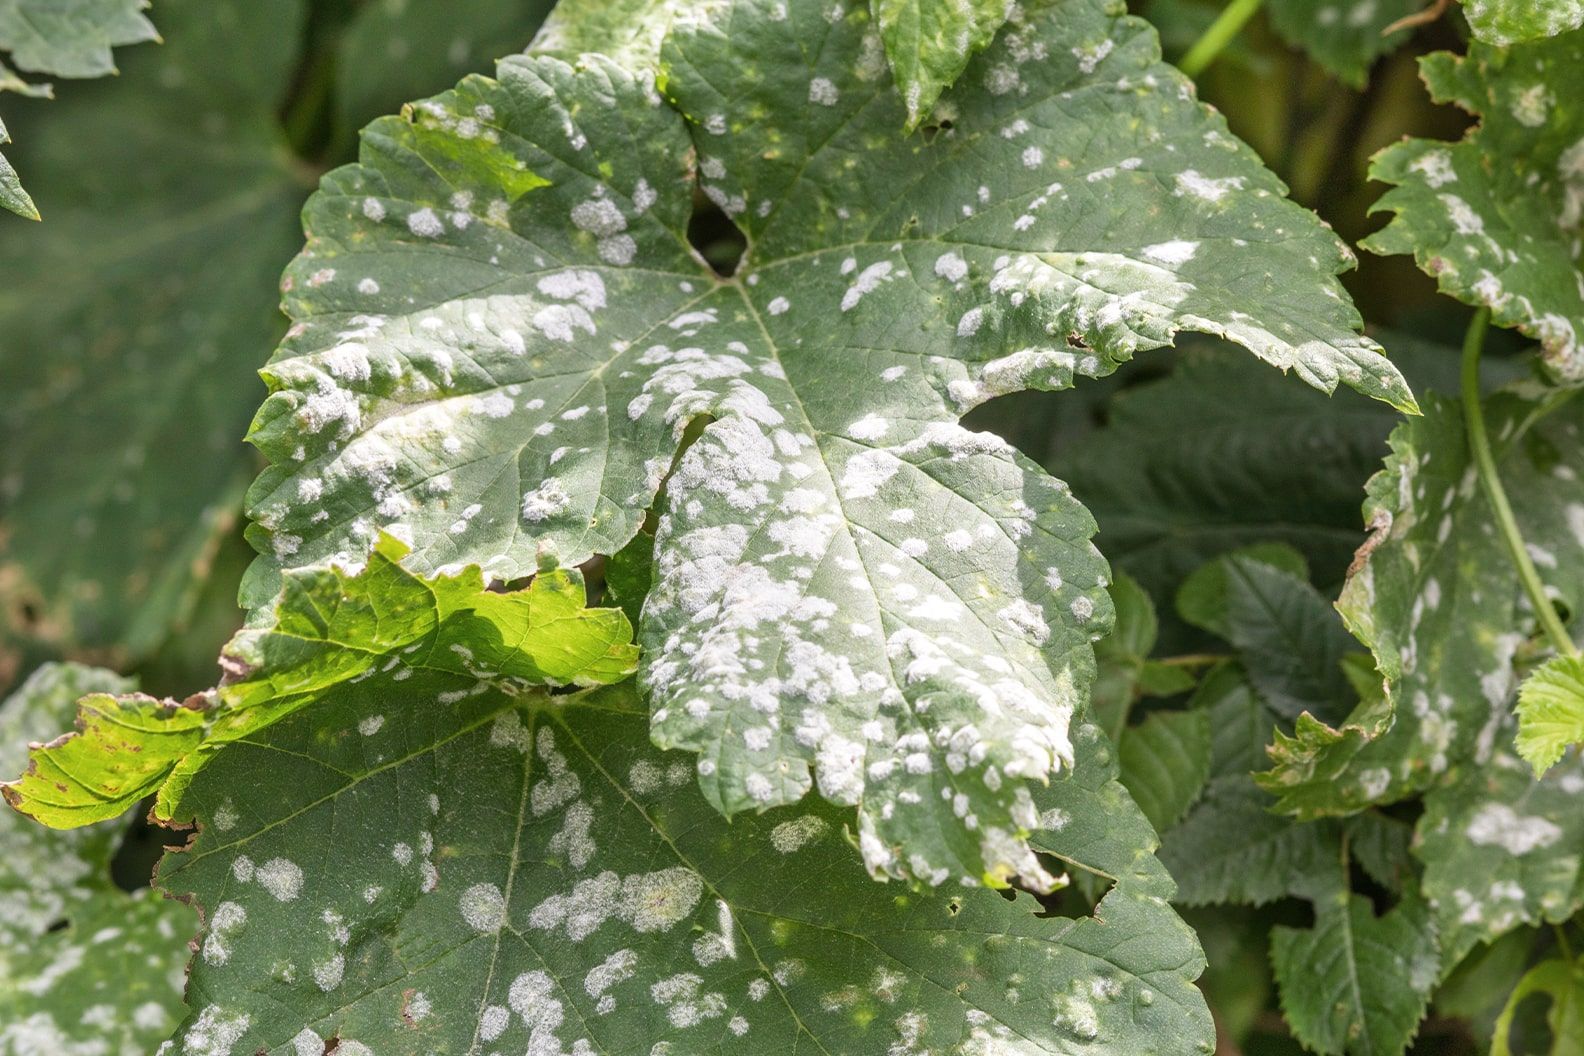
x,y
1511,21
1498,218
139,313
1356,983
1344,36
1436,598
1502,849
533,873
329,627
84,966
12,196
502,333
628,31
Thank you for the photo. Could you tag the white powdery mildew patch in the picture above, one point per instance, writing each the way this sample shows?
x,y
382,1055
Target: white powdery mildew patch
x,y
215,1032
1499,825
283,879
647,902
483,908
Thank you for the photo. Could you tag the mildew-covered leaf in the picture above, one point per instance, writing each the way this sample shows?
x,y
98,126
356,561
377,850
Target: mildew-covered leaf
x,y
530,872
134,321
502,333
1551,712
1498,218
1502,849
1357,983
629,31
84,966
328,627
1435,596
1511,21
1344,36
12,196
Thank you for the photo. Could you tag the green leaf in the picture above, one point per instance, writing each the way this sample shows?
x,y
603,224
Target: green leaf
x,y
1380,844
1497,217
1512,21
72,38
1288,637
1122,655
12,196
929,43
1308,763
532,872
512,322
1165,762
1501,849
1435,595
1345,39
329,627
1551,712
84,966
1356,983
1231,848
138,313
1564,984
630,31
1240,723
1222,454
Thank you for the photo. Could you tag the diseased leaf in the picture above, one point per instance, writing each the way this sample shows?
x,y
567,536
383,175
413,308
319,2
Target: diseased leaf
x,y
512,332
84,966
1502,849
138,314
1551,712
1564,984
1498,218
1307,764
929,43
1436,597
1344,38
531,873
629,31
12,196
1512,21
1357,983
1165,762
329,627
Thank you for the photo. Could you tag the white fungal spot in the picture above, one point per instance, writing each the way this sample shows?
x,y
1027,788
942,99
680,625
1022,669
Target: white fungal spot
x,y
483,908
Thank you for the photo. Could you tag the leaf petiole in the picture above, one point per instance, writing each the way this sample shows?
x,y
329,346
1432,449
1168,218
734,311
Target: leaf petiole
x,y
1490,481
1222,32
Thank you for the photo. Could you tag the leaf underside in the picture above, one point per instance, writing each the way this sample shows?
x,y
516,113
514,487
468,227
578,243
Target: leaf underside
x,y
502,333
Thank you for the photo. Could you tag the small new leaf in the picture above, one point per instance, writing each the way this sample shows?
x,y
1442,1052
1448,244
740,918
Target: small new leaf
x,y
1551,712
329,627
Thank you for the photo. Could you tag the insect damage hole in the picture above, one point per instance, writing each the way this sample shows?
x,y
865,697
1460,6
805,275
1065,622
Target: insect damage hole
x,y
718,241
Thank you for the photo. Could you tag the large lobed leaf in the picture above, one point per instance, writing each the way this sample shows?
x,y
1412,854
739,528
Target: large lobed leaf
x,y
1498,218
84,967
530,872
502,334
328,628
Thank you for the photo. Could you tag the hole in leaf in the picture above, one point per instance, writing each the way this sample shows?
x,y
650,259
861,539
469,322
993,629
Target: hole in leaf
x,y
719,241
930,132
132,866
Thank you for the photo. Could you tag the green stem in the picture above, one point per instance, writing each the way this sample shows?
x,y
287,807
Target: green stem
x,y
1222,32
1485,465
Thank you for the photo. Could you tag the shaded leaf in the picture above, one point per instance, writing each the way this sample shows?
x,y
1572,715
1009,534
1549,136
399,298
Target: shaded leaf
x,y
1165,762
1498,217
139,313
1564,984
1357,983
1344,38
538,223
84,966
